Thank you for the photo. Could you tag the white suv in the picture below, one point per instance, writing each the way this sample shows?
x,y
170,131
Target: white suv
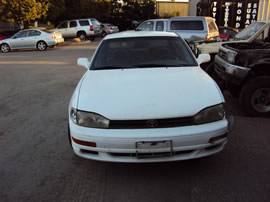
x,y
81,28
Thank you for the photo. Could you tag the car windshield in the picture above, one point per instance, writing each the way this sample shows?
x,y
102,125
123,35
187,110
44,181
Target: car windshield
x,y
143,52
249,31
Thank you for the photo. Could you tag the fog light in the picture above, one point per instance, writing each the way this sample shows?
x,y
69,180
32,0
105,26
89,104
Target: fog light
x,y
84,143
214,139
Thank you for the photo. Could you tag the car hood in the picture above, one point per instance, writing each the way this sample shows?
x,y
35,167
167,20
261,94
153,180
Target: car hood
x,y
152,93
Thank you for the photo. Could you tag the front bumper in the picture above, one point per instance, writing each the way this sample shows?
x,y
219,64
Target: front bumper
x,y
119,145
229,72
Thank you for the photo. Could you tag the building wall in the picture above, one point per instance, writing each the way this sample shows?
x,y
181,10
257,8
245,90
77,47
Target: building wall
x,y
264,10
192,8
168,9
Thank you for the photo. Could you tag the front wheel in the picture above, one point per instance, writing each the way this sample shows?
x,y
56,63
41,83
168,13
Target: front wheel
x,y
255,96
5,48
41,45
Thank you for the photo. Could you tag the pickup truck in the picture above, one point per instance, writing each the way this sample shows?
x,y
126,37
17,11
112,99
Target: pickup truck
x,y
247,35
189,28
243,68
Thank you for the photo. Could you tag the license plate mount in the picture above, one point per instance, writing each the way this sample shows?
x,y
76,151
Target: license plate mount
x,y
151,149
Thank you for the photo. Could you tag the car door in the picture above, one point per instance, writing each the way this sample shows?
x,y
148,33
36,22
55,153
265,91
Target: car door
x,y
72,30
32,38
63,28
17,41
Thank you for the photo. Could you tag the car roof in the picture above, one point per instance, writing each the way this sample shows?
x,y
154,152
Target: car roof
x,y
190,18
129,34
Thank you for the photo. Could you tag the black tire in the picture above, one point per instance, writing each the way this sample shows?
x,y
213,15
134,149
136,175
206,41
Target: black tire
x,y
103,34
69,137
255,96
5,48
82,36
92,38
42,46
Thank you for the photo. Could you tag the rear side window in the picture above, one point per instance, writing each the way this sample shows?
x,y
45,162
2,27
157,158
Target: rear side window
x,y
95,22
73,24
212,26
160,26
84,22
186,25
33,33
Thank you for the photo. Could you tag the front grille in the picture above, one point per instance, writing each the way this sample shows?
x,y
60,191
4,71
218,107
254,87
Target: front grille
x,y
155,123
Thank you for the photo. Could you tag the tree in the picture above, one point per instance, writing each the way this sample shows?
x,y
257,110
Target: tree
x,y
23,11
56,10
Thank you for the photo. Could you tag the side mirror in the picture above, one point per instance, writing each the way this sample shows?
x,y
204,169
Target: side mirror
x,y
83,62
203,58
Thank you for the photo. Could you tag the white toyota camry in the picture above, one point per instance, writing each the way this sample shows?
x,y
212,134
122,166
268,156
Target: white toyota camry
x,y
144,98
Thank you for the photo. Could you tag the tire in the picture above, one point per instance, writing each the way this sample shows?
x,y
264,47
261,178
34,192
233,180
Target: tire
x,y
255,96
41,46
82,36
69,137
103,34
5,48
92,38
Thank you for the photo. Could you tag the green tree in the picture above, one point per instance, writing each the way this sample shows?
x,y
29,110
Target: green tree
x,y
56,10
23,11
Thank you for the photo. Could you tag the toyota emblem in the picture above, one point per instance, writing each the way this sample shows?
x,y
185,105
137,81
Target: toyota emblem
x,y
152,123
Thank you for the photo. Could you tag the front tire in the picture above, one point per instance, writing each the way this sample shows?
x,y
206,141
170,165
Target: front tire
x,y
103,34
255,96
41,46
5,48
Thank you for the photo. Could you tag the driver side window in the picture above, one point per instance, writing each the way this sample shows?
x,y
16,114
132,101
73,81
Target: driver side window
x,y
147,26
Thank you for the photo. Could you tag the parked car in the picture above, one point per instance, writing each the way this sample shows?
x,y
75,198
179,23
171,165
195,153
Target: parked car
x,y
244,68
143,99
246,35
227,32
6,34
31,38
2,36
81,28
190,28
107,28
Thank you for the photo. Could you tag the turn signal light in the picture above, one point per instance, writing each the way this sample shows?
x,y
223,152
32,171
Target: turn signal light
x,y
214,139
84,143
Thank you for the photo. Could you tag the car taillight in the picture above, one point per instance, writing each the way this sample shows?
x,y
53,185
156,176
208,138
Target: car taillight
x,y
110,28
53,36
91,28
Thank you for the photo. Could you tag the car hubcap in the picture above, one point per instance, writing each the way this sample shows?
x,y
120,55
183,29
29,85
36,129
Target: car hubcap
x,y
82,37
5,48
261,100
41,46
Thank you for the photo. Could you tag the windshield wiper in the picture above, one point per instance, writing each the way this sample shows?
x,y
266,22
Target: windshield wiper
x,y
152,65
160,65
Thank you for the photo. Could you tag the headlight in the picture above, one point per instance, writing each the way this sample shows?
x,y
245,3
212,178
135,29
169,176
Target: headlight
x,y
88,119
210,114
231,57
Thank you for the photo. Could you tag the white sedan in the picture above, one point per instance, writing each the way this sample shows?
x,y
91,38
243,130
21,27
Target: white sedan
x,y
32,38
144,98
